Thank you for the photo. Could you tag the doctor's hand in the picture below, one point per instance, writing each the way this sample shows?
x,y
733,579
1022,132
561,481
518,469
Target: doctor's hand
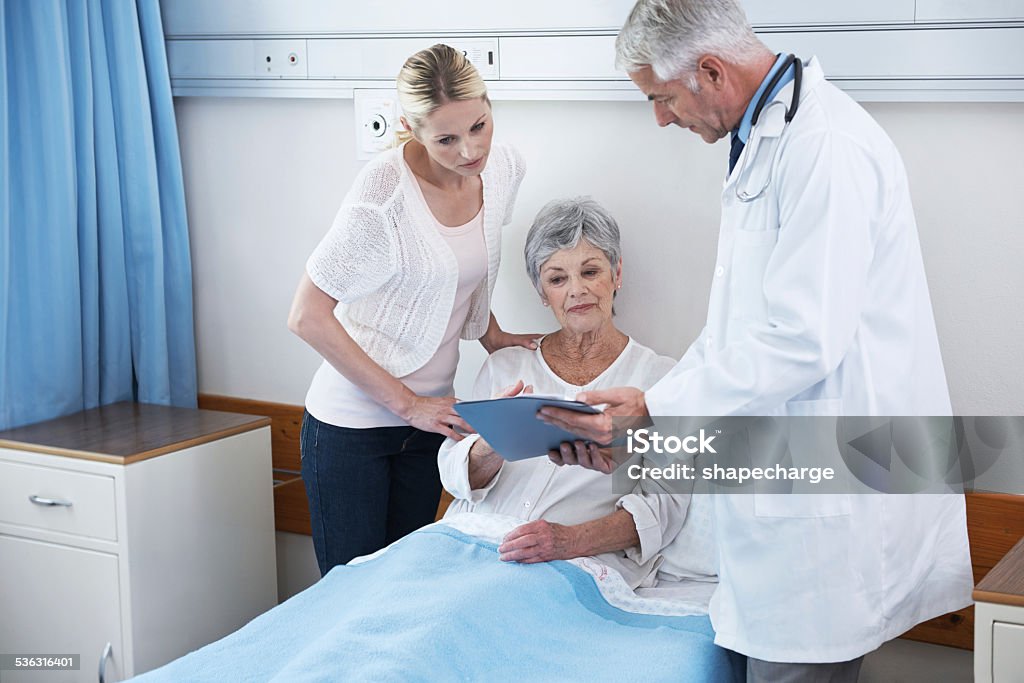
x,y
621,402
586,454
539,541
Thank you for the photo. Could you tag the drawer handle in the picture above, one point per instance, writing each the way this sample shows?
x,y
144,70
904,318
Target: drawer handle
x,y
107,651
50,502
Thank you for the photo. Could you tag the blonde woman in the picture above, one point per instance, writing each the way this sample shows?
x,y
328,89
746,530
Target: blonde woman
x,y
413,253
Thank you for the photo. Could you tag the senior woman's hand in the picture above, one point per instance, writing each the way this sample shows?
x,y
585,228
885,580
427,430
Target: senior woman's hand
x,y
543,541
539,541
518,388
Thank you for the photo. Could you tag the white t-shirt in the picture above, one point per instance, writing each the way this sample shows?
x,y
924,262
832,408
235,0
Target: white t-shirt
x,y
335,400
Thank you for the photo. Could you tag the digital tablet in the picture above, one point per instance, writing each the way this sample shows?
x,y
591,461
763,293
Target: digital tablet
x,y
510,425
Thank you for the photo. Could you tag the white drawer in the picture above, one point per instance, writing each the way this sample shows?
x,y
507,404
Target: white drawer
x,y
1007,652
91,496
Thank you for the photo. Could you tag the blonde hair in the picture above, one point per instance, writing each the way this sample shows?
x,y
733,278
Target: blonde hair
x,y
433,77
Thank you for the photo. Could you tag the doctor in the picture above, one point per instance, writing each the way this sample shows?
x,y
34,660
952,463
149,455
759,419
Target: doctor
x,y
819,306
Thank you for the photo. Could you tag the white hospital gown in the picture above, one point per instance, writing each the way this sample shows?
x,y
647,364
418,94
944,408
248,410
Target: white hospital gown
x,y
537,489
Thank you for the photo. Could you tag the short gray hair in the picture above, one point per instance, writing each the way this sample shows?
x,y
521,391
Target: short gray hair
x,y
561,224
671,35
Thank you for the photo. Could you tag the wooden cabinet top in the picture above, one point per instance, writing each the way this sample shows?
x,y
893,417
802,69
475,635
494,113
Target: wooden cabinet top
x,y
123,433
1004,585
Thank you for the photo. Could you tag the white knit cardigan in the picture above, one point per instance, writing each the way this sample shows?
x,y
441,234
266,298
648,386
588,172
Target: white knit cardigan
x,y
385,259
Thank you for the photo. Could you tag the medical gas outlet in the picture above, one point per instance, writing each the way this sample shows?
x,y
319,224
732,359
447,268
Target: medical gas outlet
x,y
376,121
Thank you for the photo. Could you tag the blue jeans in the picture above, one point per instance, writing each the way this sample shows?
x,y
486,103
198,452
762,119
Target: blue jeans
x,y
366,487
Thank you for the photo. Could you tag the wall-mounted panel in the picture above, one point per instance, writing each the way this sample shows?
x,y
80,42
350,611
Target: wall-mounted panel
x,y
559,58
239,58
875,49
306,17
912,54
818,13
382,58
972,10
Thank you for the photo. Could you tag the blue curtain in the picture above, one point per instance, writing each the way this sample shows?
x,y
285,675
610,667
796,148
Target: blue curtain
x,y
95,275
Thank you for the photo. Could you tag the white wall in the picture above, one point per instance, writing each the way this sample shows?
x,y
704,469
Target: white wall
x,y
263,178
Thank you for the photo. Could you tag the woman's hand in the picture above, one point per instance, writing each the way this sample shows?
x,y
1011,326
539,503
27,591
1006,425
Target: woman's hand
x,y
501,339
436,415
496,338
539,541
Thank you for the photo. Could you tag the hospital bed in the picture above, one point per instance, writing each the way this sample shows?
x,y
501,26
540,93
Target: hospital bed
x,y
439,605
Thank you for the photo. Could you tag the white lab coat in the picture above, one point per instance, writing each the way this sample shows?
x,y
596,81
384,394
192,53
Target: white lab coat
x,y
819,306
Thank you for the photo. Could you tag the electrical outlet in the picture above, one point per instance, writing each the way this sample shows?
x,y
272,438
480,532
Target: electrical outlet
x,y
376,117
481,53
280,58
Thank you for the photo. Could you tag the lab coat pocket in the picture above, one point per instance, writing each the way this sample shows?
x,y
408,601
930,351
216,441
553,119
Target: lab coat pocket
x,y
752,250
821,407
809,448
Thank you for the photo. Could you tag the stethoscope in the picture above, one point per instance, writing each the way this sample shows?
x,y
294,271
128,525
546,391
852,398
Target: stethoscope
x,y
794,104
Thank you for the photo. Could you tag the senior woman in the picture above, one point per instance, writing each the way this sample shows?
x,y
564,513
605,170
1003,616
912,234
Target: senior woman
x,y
413,253
574,260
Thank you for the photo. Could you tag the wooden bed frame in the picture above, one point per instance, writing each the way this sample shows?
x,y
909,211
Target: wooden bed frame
x,y
995,522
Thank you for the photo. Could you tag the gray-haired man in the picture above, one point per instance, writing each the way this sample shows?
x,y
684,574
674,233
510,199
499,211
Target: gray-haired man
x,y
819,306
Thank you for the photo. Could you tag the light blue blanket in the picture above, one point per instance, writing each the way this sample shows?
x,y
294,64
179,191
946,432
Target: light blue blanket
x,y
441,606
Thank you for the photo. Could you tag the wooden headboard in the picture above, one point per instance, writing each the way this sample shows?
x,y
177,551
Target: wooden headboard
x,y
995,522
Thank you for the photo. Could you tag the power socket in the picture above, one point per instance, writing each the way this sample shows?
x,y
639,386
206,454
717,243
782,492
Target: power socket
x,y
279,58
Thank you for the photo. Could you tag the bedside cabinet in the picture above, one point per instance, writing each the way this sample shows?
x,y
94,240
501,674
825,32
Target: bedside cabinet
x,y
131,535
999,621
